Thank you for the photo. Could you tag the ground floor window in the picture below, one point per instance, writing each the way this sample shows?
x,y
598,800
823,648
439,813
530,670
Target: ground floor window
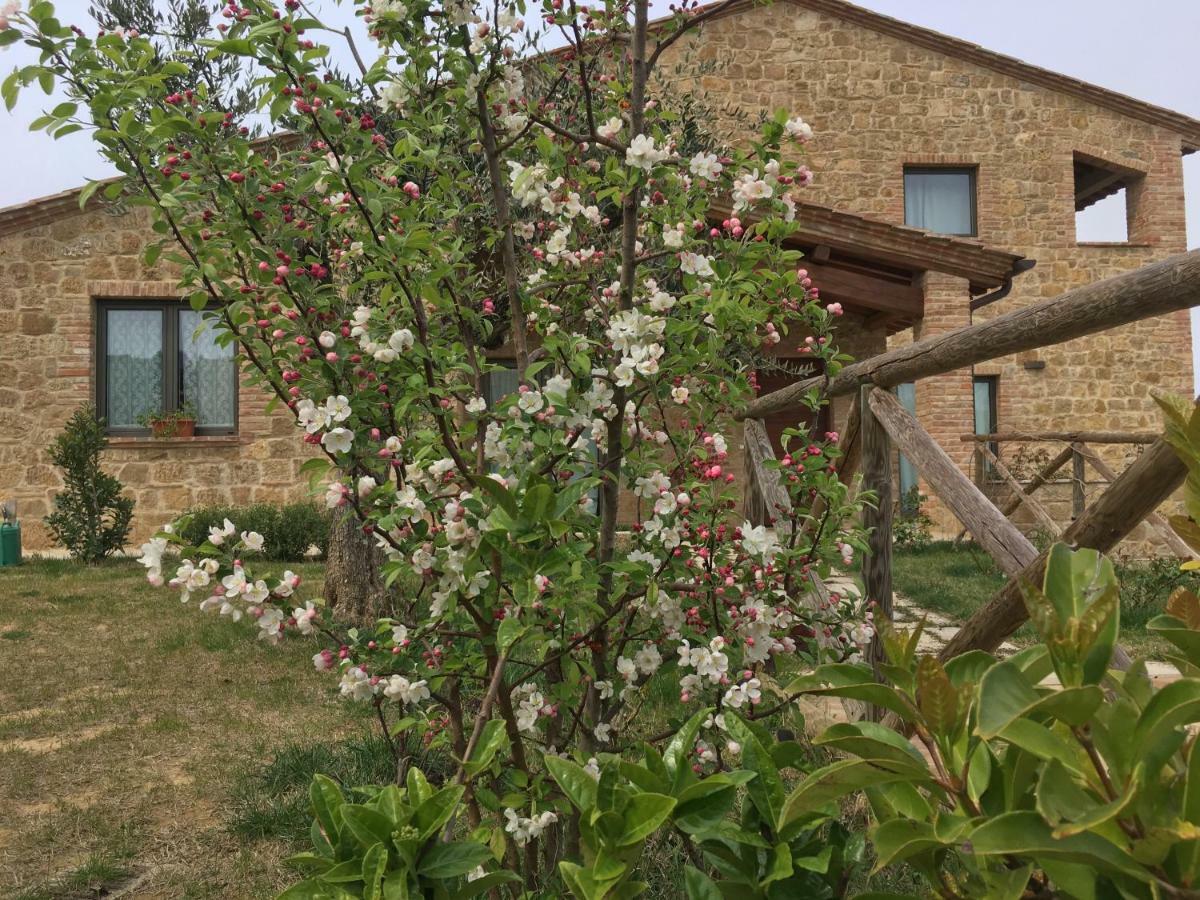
x,y
986,388
159,357
910,501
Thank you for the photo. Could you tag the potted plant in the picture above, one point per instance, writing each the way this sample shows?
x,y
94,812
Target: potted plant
x,y
180,422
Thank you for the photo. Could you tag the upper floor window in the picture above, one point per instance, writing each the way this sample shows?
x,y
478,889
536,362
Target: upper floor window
x,y
940,199
155,357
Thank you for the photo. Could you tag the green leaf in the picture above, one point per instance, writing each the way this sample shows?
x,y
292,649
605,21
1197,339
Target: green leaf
x,y
436,811
676,755
374,866
500,494
832,782
86,194
898,839
874,742
484,884
539,500
491,739
452,860
326,798
1005,695
643,815
1025,834
578,785
937,698
766,790
509,631
1176,704
368,825
856,683
699,886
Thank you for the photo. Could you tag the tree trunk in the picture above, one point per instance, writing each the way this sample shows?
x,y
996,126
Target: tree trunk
x,y
354,587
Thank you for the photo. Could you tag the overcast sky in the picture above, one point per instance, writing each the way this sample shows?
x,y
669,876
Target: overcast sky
x,y
1151,55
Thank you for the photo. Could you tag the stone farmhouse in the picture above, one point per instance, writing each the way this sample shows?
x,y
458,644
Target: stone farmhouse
x,y
948,179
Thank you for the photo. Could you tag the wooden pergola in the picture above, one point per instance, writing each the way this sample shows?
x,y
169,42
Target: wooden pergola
x,y
878,423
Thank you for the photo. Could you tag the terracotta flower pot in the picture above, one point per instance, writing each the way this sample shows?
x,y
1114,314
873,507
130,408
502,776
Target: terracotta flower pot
x,y
173,428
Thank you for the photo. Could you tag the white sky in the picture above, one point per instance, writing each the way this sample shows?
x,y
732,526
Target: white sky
x,y
1151,55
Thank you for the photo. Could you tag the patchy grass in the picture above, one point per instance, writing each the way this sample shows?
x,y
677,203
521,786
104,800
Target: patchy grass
x,y
956,579
126,722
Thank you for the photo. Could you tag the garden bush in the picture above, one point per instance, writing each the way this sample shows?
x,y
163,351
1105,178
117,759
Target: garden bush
x,y
288,531
92,516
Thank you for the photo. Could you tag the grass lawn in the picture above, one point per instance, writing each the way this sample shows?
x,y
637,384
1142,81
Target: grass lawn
x,y
956,580
142,739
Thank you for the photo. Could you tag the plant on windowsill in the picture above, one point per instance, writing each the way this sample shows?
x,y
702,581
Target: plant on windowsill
x,y
176,423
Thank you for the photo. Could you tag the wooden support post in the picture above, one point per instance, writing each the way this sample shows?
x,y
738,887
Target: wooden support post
x,y
1156,519
1078,483
1140,489
877,478
776,504
1152,290
1039,512
998,536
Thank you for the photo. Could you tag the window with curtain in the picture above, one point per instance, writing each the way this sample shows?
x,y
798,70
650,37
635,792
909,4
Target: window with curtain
x,y
941,200
155,356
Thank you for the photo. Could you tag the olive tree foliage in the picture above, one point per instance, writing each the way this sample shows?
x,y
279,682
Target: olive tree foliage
x,y
566,555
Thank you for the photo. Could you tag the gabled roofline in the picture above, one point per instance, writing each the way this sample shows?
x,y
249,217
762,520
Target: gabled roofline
x,y
44,210
1187,127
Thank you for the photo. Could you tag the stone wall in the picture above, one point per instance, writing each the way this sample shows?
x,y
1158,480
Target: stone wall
x,y
51,276
878,103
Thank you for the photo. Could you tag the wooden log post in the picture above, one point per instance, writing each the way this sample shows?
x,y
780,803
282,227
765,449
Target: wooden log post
x,y
998,536
1156,519
1078,483
776,504
877,518
1138,490
1154,290
1070,437
1039,512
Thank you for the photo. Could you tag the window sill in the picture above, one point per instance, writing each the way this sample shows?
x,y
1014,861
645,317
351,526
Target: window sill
x,y
130,442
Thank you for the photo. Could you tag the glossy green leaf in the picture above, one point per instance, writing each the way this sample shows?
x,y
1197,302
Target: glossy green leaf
x,y
1025,834
898,839
643,815
326,799
374,865
699,886
452,860
491,739
578,785
369,826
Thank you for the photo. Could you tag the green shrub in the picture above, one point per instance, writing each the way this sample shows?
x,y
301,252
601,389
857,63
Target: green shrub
x,y
91,515
1145,587
288,531
912,528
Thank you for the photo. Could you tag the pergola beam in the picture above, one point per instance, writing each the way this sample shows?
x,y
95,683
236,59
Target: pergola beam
x,y
1154,290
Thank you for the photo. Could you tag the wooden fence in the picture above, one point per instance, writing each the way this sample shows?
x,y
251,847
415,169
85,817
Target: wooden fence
x,y
878,422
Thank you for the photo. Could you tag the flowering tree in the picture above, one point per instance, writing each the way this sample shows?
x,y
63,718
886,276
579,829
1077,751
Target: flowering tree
x,y
573,550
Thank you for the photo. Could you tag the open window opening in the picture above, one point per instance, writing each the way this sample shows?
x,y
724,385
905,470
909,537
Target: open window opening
x,y
1105,201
